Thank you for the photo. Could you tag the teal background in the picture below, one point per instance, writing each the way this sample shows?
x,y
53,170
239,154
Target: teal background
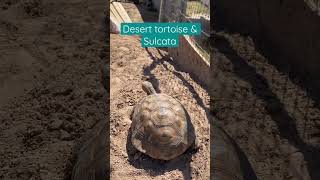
x,y
160,36
188,25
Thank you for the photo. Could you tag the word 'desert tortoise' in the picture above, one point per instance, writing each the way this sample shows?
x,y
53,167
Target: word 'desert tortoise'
x,y
161,127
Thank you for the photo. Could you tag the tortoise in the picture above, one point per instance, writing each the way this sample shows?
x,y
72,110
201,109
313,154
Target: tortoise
x,y
161,127
224,155
90,162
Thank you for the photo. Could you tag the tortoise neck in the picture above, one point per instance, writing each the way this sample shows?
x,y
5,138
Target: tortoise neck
x,y
148,88
150,91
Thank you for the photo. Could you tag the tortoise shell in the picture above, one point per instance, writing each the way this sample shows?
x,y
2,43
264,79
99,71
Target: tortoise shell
x,y
161,127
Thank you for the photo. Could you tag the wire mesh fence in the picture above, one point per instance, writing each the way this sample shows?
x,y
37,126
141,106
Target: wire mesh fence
x,y
189,11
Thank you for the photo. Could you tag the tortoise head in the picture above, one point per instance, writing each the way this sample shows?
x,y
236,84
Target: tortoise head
x,y
148,88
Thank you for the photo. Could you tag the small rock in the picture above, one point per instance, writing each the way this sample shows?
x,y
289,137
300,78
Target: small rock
x,y
64,135
124,49
33,132
89,93
124,154
55,124
62,91
44,174
126,121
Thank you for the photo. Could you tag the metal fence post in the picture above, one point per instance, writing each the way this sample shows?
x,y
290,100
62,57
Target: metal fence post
x,y
161,12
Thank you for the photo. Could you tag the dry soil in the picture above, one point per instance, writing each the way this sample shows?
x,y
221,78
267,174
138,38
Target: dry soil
x,y
51,55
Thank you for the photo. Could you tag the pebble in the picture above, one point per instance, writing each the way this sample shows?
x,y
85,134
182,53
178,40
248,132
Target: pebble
x,y
64,135
124,154
55,124
44,174
126,121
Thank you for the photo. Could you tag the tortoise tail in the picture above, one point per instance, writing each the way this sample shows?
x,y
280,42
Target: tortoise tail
x,y
148,88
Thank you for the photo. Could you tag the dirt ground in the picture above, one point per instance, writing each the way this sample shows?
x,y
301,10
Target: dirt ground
x,y
50,84
130,66
268,113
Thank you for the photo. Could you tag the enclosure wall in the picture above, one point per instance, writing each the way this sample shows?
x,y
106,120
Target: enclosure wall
x,y
189,60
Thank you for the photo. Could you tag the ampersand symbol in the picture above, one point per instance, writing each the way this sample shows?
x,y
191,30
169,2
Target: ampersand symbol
x,y
194,29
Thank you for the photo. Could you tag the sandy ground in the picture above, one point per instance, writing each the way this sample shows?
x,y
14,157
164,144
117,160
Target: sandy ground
x,y
130,66
50,84
268,114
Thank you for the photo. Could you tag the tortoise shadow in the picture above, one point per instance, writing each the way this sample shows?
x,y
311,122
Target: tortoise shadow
x,y
162,62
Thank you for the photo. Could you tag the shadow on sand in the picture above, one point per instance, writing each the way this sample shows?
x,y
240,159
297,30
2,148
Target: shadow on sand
x,y
275,108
